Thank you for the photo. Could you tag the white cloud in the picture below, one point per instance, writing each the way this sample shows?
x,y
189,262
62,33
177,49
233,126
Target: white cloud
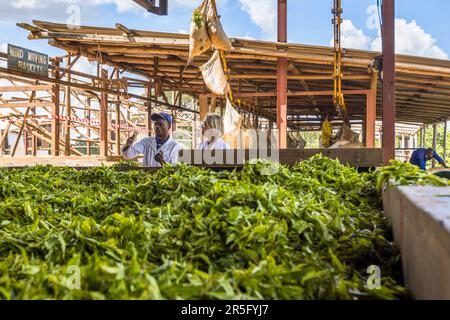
x,y
352,37
186,3
182,31
263,13
122,5
247,36
24,4
411,39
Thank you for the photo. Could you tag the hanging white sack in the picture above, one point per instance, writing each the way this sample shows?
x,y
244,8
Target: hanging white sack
x,y
199,40
215,30
213,75
295,140
231,118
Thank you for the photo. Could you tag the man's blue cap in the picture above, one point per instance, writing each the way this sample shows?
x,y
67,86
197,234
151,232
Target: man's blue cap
x,y
162,115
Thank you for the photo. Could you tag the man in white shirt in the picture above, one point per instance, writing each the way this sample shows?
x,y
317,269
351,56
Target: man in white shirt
x,y
157,150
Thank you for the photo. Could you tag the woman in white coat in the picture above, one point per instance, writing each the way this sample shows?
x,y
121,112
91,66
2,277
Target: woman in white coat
x,y
212,131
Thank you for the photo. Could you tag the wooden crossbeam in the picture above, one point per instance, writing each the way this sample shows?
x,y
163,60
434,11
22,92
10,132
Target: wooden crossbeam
x,y
26,104
25,88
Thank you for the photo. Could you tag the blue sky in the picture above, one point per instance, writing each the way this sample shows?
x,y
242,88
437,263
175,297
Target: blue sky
x,y
421,27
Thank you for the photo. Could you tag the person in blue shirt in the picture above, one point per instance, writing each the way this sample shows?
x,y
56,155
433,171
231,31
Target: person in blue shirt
x,y
421,156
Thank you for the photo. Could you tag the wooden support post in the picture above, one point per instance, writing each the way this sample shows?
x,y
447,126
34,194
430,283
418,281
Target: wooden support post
x,y
213,104
402,146
55,144
282,78
156,80
117,116
371,112
68,113
104,117
4,136
194,127
363,126
148,111
388,12
203,104
444,156
34,141
424,136
88,116
25,143
434,143
174,102
2,146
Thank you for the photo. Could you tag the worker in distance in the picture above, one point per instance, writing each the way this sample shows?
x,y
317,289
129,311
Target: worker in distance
x,y
420,157
157,150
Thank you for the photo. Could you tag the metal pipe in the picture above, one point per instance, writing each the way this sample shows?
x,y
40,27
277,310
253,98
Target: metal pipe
x,y
445,142
282,77
433,165
388,32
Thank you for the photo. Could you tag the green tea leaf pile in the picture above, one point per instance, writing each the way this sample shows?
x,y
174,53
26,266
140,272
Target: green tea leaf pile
x,y
306,232
403,174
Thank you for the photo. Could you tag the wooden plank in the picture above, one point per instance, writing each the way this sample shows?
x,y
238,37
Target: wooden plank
x,y
110,38
299,94
26,104
117,116
25,88
67,123
297,77
55,143
371,112
203,105
104,117
445,141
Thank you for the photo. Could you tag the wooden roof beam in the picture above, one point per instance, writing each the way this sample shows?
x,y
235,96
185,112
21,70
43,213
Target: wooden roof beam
x,y
127,32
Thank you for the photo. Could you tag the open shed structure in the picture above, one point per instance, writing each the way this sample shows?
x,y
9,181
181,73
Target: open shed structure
x,y
161,62
423,84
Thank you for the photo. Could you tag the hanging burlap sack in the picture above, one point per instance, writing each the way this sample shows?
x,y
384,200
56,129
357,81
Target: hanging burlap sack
x,y
232,124
349,135
295,140
215,30
346,138
199,40
213,75
345,144
231,118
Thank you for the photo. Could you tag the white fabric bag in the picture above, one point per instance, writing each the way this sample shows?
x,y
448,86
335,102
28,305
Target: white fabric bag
x,y
215,30
231,118
213,75
199,40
